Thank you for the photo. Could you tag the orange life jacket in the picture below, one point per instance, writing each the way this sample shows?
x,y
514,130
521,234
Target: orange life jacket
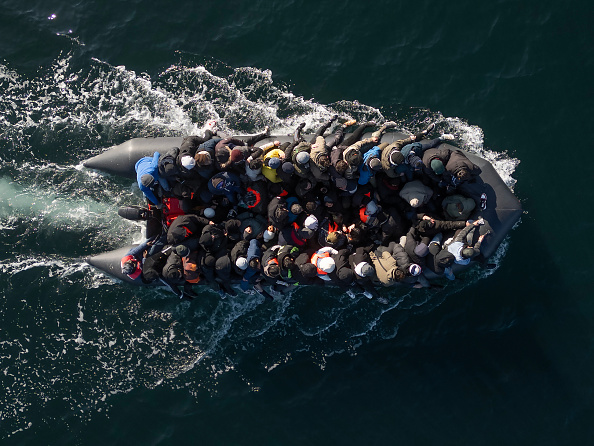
x,y
316,257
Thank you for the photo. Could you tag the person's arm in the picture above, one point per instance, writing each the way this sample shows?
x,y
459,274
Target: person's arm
x,y
461,237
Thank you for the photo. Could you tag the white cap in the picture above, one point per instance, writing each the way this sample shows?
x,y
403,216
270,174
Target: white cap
x,y
188,162
209,212
326,264
268,235
414,202
241,263
311,222
414,269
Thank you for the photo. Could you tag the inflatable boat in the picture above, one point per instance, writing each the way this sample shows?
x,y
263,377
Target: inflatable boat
x,y
502,210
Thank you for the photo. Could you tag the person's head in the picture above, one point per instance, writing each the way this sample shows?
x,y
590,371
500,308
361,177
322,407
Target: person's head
x,y
302,157
332,238
463,174
399,275
324,161
281,213
311,222
188,162
326,264
256,164
355,235
147,180
255,263
396,157
272,270
288,262
310,207
236,156
296,209
273,162
374,163
182,250
467,252
308,270
203,158
341,167
353,158
129,267
437,166
288,168
241,263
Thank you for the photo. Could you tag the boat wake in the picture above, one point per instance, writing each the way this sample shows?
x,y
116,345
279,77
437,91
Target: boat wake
x,y
67,321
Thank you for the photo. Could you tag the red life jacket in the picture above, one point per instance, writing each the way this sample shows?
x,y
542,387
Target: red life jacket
x,y
257,196
296,240
362,215
316,257
171,209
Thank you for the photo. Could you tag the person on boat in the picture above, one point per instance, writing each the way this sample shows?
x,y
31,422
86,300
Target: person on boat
x,y
147,176
324,262
461,249
227,185
131,263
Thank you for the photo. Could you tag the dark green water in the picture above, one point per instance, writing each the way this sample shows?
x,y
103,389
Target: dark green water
x,y
504,358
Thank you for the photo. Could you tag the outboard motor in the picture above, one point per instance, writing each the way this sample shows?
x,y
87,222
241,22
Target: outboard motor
x,y
135,213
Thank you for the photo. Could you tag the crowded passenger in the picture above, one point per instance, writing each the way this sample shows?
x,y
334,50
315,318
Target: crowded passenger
x,y
346,210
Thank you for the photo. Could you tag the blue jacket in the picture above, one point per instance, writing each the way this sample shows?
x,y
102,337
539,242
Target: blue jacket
x,y
150,166
229,188
251,275
365,173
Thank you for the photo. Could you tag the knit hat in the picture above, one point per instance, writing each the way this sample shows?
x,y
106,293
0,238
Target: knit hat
x,y
421,250
414,202
375,164
236,155
326,264
396,157
188,162
288,167
302,157
147,180
296,209
203,158
273,162
437,166
209,212
241,263
182,250
268,235
311,222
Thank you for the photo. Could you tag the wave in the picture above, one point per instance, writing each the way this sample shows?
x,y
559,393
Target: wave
x,y
53,212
